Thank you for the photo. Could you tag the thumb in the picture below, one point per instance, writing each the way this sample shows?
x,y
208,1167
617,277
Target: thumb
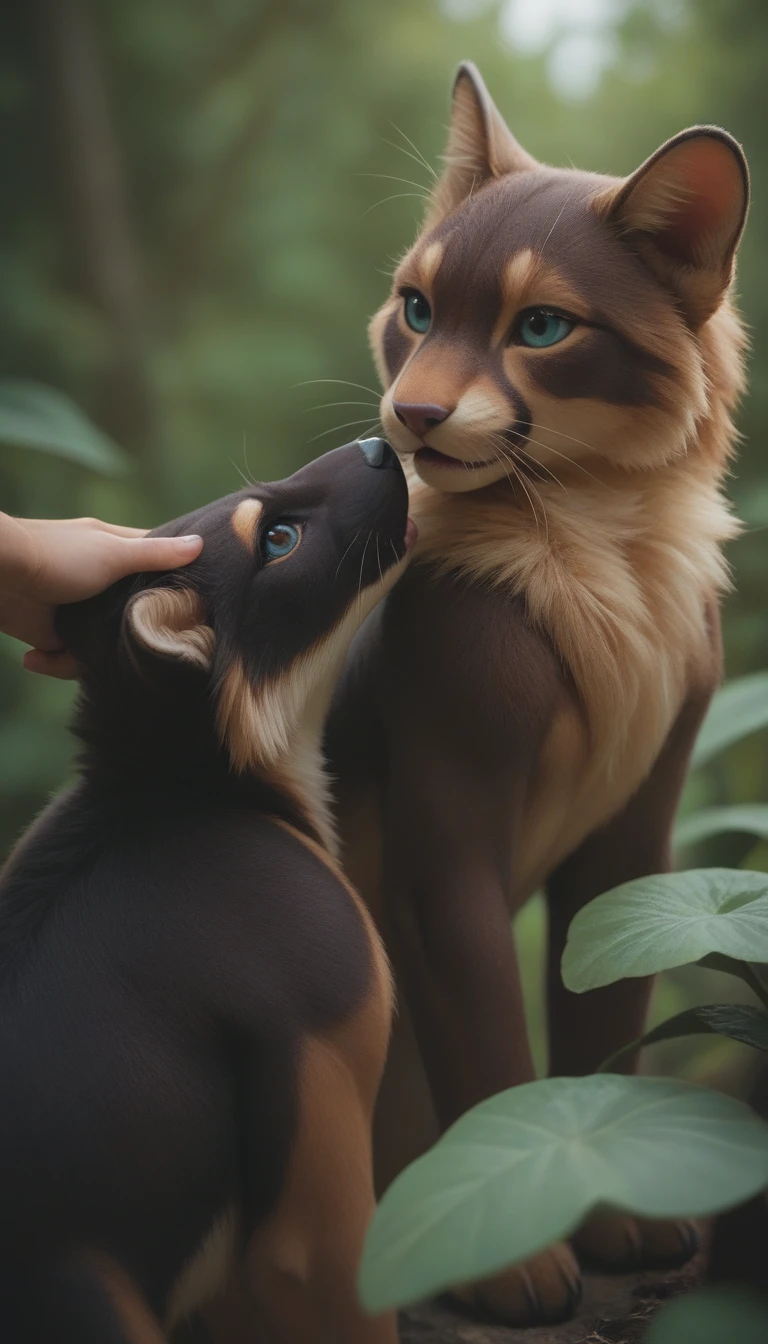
x,y
139,553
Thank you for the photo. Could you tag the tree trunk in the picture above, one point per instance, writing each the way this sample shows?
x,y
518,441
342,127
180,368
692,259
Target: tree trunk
x,y
88,167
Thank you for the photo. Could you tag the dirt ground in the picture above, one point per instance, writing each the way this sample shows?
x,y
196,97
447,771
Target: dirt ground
x,y
614,1310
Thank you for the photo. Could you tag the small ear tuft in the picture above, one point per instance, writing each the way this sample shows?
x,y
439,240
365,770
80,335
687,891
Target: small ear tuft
x,y
480,145
169,622
684,210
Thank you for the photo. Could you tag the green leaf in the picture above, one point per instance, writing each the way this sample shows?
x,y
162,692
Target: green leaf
x,y
525,1168
740,1022
656,923
711,1316
34,416
747,818
738,708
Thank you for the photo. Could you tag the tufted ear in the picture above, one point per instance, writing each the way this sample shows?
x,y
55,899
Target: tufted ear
x,y
480,146
170,622
684,211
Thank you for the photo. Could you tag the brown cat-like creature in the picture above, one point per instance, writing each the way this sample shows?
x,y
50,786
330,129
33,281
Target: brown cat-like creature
x,y
561,361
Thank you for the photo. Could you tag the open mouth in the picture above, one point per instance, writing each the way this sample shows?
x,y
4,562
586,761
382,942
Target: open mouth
x,y
430,457
411,535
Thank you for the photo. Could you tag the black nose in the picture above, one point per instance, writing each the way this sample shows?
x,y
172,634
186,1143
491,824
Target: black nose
x,y
377,452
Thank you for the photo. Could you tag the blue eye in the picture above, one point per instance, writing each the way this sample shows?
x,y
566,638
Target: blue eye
x,y
280,540
418,313
539,328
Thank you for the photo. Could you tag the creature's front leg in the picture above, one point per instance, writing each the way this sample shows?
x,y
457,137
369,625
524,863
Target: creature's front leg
x,y
449,837
586,1028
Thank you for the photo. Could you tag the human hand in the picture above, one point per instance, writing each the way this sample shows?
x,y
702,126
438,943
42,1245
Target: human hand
x,y
44,563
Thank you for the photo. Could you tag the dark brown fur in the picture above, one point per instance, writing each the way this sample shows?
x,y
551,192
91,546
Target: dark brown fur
x,y
521,711
195,1006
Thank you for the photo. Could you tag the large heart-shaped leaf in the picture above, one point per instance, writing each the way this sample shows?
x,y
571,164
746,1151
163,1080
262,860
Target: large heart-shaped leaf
x,y
525,1168
711,1316
34,416
655,923
738,708
739,1021
747,818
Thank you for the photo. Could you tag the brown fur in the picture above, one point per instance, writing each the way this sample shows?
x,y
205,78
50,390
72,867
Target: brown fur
x,y
522,711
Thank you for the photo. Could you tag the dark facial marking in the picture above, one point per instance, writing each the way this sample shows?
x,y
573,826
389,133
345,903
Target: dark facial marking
x,y
518,432
396,345
600,365
550,213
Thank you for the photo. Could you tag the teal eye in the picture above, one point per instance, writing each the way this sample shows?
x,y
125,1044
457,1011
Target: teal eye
x,y
280,540
418,313
539,328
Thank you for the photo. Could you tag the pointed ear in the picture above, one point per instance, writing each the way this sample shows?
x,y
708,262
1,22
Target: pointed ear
x,y
169,622
479,145
684,211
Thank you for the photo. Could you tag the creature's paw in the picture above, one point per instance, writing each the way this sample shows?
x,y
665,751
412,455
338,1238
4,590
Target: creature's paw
x,y
621,1243
541,1291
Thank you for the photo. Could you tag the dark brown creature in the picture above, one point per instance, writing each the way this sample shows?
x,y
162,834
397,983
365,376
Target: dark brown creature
x,y
194,1004
561,361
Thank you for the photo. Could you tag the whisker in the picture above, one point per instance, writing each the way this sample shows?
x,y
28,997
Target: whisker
x,y
561,434
415,148
503,458
398,196
521,479
506,446
344,381
240,472
346,553
247,463
378,558
506,461
537,493
567,201
388,177
326,405
571,462
360,580
336,428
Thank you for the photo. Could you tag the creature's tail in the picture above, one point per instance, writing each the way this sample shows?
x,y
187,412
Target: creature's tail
x,y
85,1299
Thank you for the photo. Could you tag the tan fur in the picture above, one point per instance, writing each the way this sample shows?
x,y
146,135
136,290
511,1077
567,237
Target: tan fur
x,y
529,280
297,1264
620,582
207,1271
614,538
301,1263
138,1321
381,1003
480,146
663,200
275,727
429,265
244,521
170,622
617,568
562,428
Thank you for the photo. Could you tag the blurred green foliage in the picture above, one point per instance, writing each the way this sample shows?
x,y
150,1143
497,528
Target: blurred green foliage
x,y
196,227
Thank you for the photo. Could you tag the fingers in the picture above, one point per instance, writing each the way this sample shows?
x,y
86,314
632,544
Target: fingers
x,y
118,530
84,524
136,554
61,664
